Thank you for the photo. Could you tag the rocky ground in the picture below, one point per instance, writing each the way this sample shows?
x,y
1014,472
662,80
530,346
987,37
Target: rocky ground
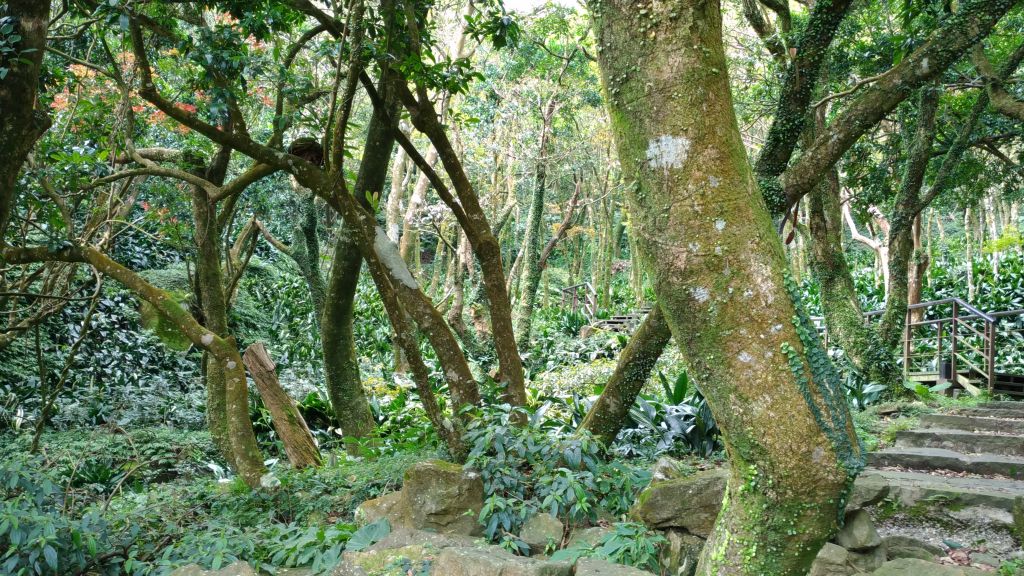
x,y
947,500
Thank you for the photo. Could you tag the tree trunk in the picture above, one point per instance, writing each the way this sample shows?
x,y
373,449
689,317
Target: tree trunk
x,y
209,288
22,122
844,317
341,363
246,459
918,269
530,252
718,269
288,422
636,361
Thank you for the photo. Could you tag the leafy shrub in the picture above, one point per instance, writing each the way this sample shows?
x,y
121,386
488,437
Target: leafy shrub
x,y
527,469
37,537
629,543
681,421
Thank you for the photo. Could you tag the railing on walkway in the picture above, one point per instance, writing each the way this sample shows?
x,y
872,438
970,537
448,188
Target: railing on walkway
x,y
580,298
951,340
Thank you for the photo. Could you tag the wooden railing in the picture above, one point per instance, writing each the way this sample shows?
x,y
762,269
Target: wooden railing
x,y
580,297
950,339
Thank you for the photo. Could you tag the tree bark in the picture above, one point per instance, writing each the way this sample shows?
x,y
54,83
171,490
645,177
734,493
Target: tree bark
x,y
209,289
22,121
636,361
718,270
844,317
288,422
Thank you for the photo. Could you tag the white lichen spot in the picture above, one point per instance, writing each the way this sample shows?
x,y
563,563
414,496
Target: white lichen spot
x,y
817,455
719,224
667,151
924,65
745,357
231,364
718,250
700,293
694,246
748,293
713,182
387,252
207,339
776,328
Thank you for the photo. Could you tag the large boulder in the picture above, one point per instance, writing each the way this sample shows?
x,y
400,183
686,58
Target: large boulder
x,y
858,532
598,567
437,496
868,490
915,567
832,560
541,531
494,561
442,497
691,502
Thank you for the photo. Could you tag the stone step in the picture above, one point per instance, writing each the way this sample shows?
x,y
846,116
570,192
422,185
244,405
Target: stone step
x,y
992,412
972,423
961,441
909,488
941,459
1004,405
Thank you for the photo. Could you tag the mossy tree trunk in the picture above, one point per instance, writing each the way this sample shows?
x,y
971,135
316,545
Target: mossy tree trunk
x,y
844,317
530,251
718,271
341,363
288,421
209,289
22,121
636,361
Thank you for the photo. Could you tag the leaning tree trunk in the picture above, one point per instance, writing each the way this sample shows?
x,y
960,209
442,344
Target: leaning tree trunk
x,y
288,421
611,410
718,271
22,121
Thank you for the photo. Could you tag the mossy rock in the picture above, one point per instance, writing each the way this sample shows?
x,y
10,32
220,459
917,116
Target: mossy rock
x,y
690,502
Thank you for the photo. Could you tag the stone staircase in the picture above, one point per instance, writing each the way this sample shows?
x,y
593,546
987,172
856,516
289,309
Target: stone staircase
x,y
623,322
974,457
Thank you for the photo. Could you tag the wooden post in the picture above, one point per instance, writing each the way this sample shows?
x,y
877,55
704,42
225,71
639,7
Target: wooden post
x,y
289,423
952,340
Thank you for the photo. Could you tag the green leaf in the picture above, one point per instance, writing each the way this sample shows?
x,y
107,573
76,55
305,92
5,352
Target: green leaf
x,y
368,535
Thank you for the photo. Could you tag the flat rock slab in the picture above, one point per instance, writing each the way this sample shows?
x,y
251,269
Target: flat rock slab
x,y
598,567
1004,405
909,488
944,459
916,567
962,441
494,561
993,412
236,569
972,423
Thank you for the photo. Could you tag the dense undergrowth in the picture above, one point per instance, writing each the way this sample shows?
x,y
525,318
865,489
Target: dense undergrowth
x,y
126,480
